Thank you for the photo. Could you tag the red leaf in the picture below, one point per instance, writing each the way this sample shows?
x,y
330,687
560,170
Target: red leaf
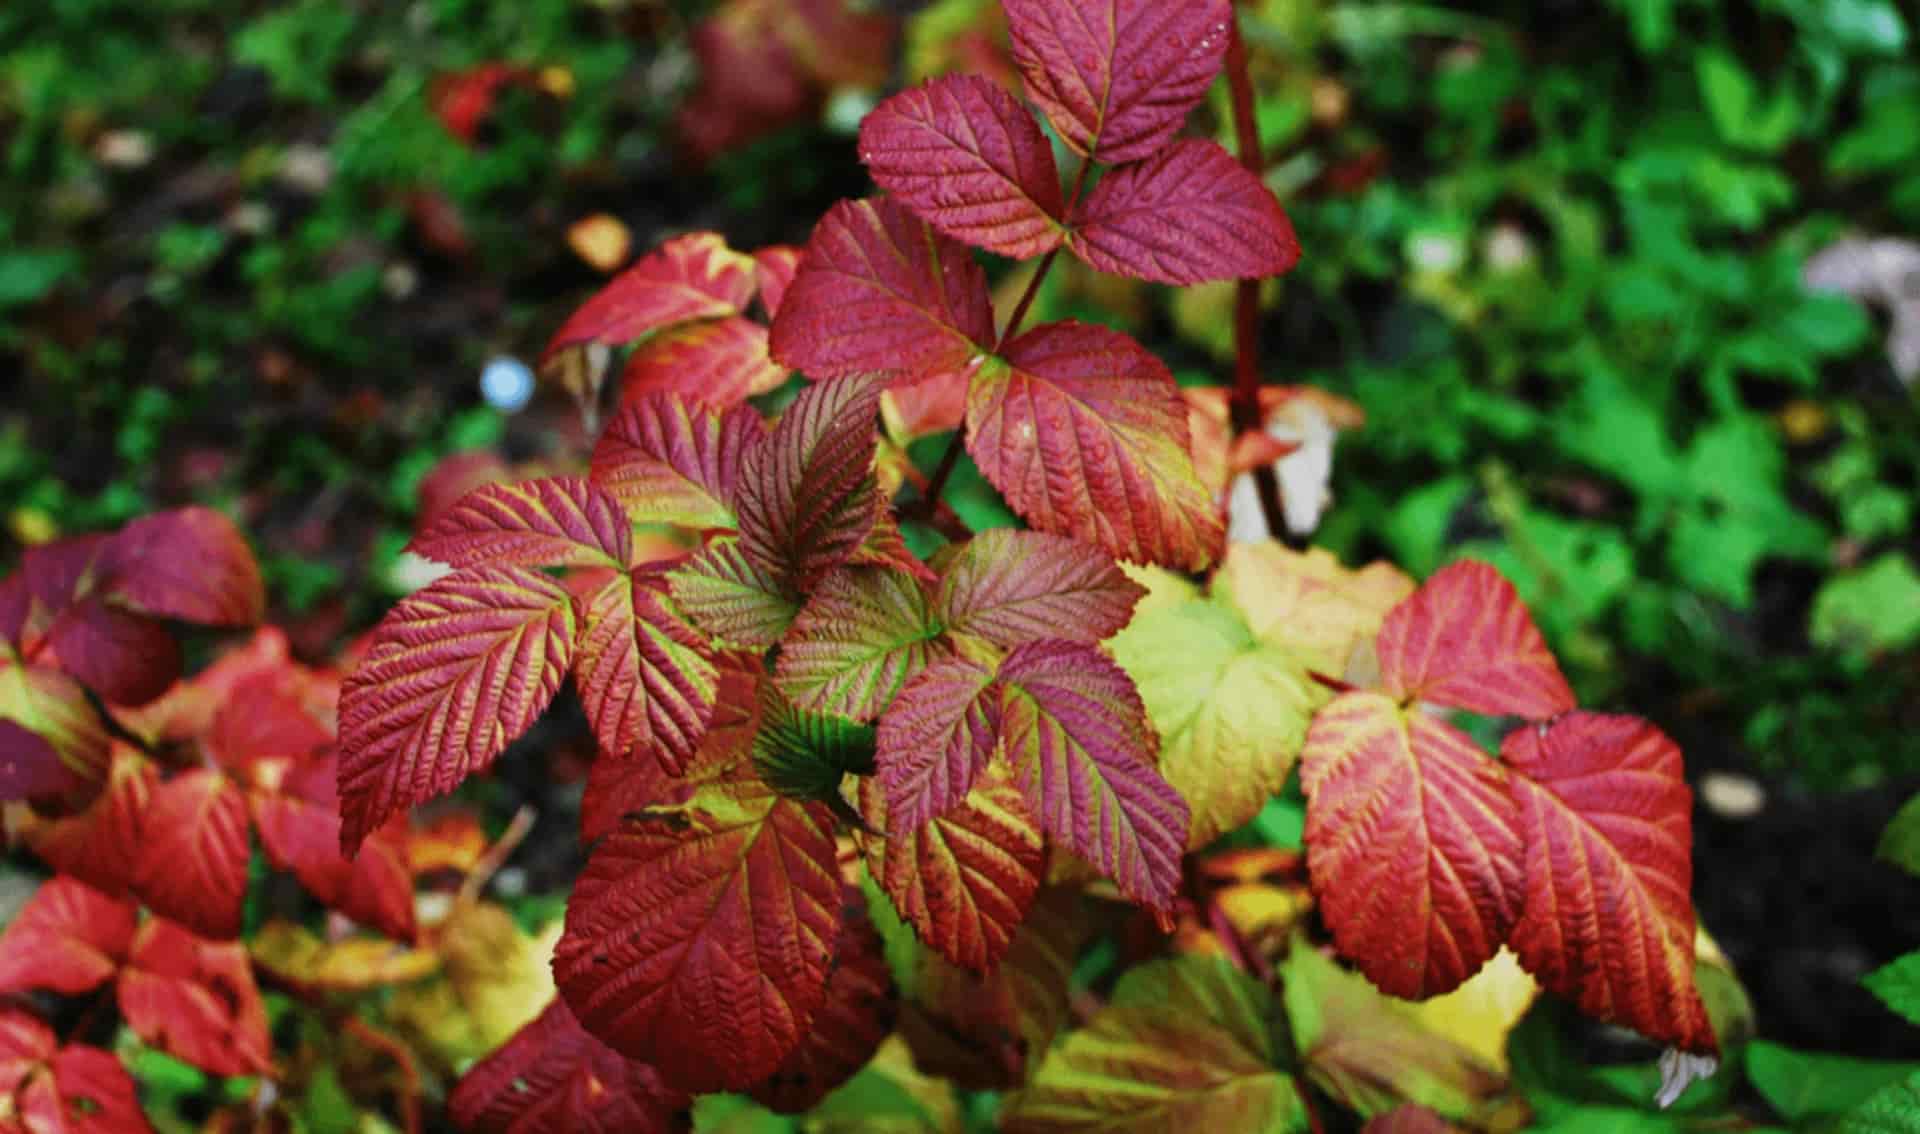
x,y
195,1000
69,938
299,826
689,277
264,716
732,599
193,853
456,672
553,1077
1077,736
127,658
558,521
1465,639
807,498
1413,844
935,740
191,564
1085,434
968,159
699,939
1118,77
856,1014
463,100
720,363
667,460
1009,587
53,707
878,291
642,674
30,767
47,1089
1408,1118
863,632
1608,922
775,266
965,881
101,845
1188,214
618,788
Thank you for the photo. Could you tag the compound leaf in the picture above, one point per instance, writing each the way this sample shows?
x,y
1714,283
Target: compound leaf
x,y
195,1000
643,678
618,788
968,159
935,739
69,938
879,291
553,1077
966,879
1465,639
1085,434
62,1090
732,599
720,363
1076,734
1413,844
699,939
1009,587
1608,921
806,497
690,277
556,521
1117,78
1189,214
1186,1043
455,673
193,853
863,632
669,460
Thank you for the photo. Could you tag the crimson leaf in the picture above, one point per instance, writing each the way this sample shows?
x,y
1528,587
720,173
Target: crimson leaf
x,y
1188,214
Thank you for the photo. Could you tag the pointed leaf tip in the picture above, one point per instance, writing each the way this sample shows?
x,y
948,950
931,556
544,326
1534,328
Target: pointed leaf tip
x,y
968,159
1465,639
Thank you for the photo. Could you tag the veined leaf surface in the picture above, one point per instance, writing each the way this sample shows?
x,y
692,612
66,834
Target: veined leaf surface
x,y
806,497
643,678
721,363
863,632
1117,78
553,1077
1085,434
1186,1043
966,879
1413,844
667,459
967,158
854,1017
1188,214
559,521
1465,639
689,277
879,291
68,938
733,599
101,845
1608,919
193,853
936,739
699,939
1075,732
455,673
775,266
1009,587
195,1000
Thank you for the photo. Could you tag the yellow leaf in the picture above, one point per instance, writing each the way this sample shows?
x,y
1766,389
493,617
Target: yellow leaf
x,y
601,240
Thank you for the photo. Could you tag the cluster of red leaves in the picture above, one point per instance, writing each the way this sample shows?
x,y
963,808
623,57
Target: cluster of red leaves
x,y
1574,848
89,613
764,64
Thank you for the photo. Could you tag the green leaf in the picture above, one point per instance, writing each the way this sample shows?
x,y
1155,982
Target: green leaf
x,y
1894,1109
804,755
1185,1044
1897,984
26,276
1900,842
1727,90
1870,610
1802,1086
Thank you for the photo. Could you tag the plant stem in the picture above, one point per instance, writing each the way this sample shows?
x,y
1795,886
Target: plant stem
x,y
1245,404
930,495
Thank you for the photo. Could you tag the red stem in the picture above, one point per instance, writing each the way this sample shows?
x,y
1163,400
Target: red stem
x,y
1245,404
